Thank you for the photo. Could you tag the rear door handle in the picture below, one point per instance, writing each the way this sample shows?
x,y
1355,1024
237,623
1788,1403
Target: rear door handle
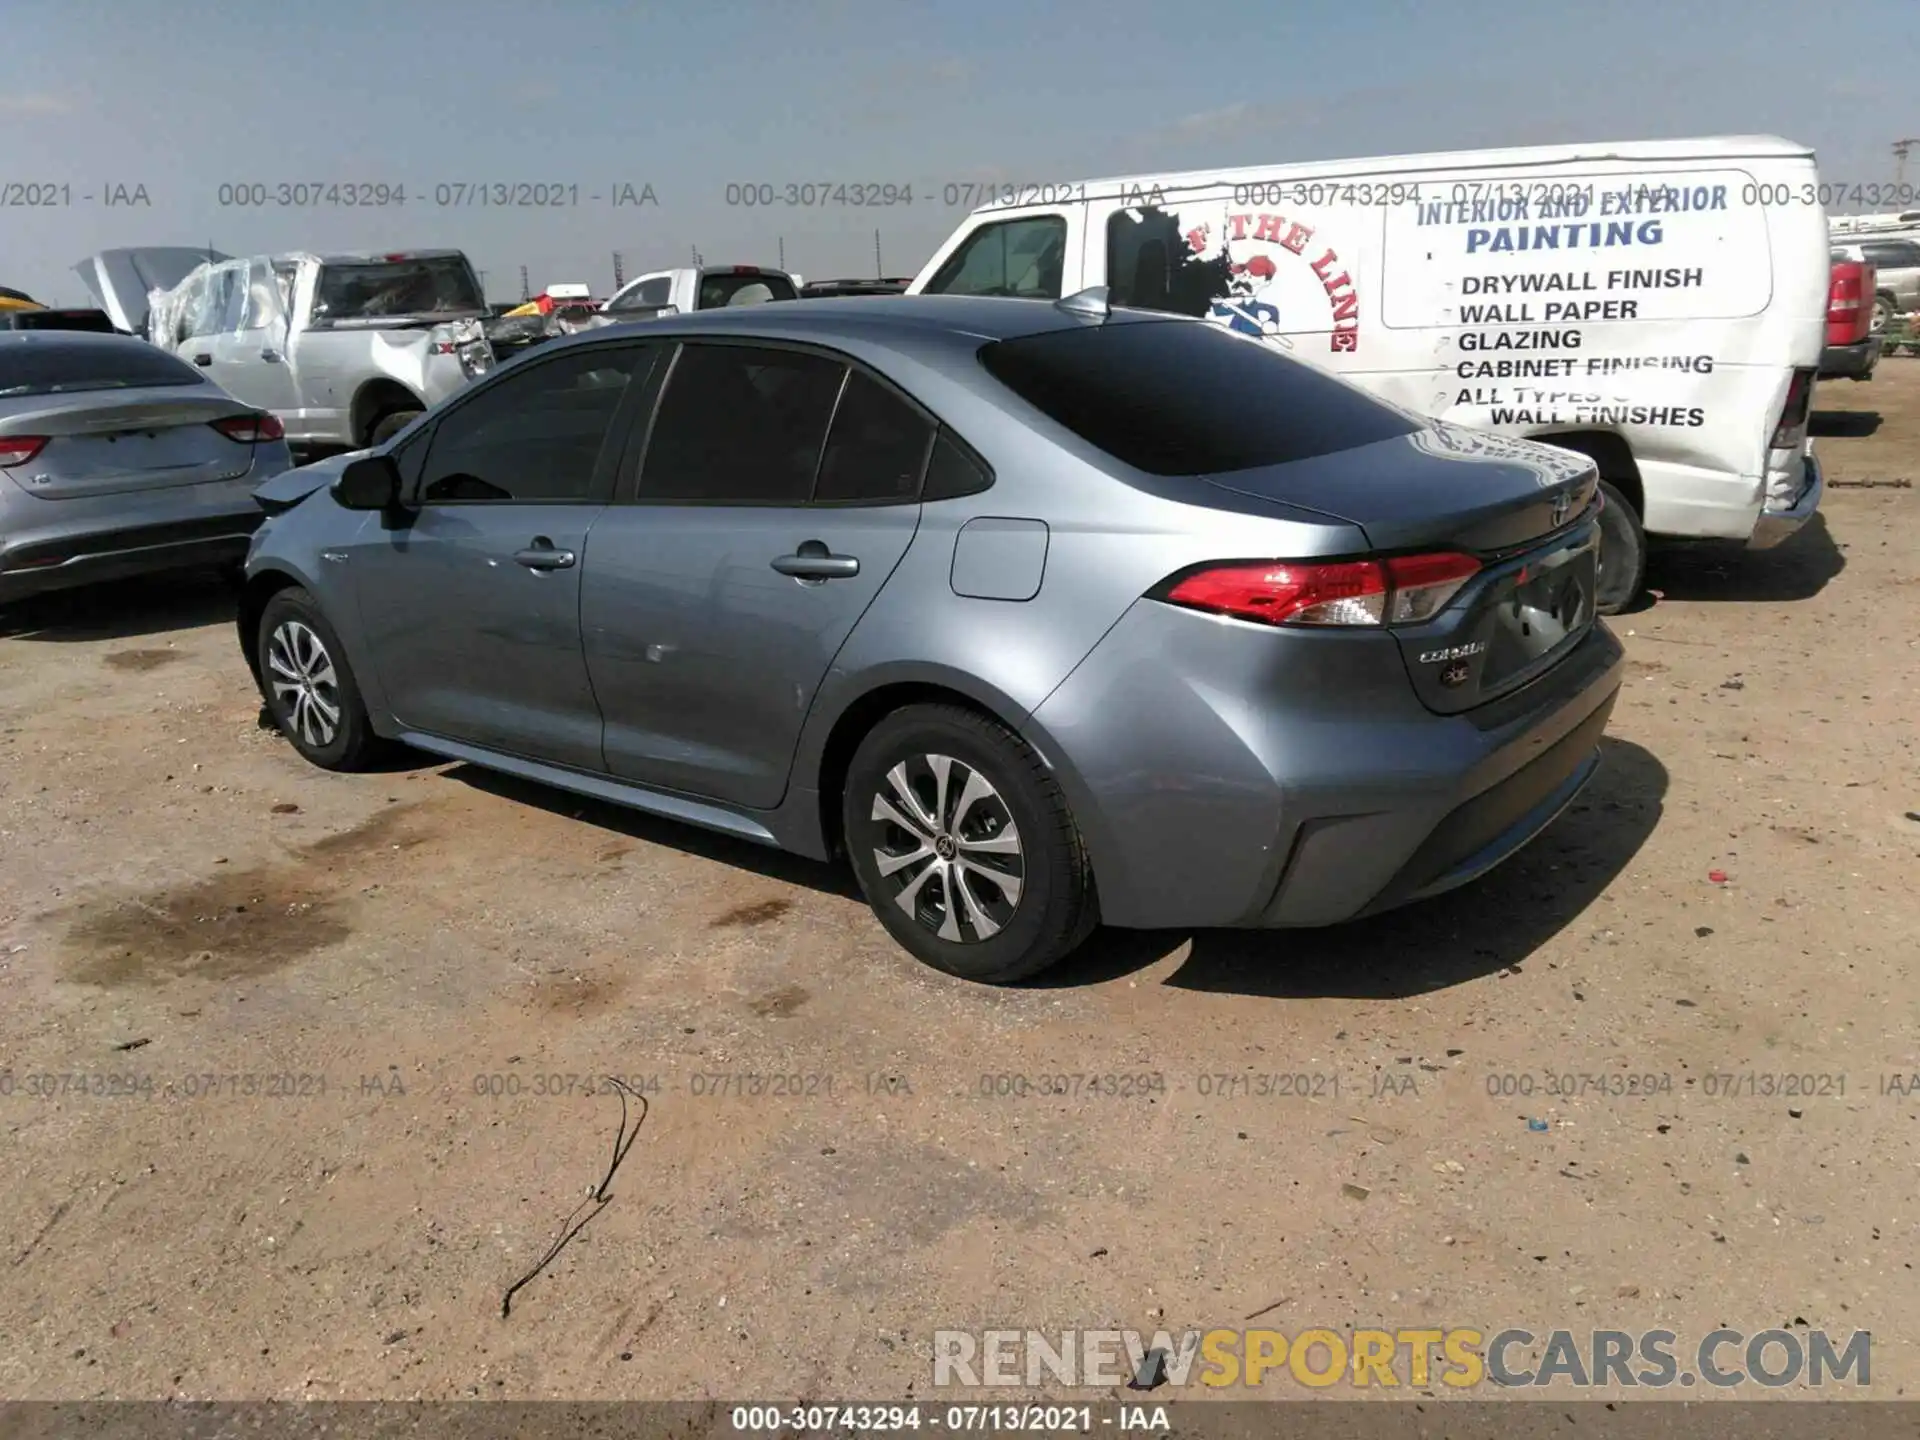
x,y
203,359
814,561
542,556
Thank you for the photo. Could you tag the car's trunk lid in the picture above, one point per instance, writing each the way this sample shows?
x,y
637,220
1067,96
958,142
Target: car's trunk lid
x,y
116,441
1525,511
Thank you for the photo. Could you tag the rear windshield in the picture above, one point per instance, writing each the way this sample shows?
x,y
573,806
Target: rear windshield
x,y
94,320
441,286
47,367
725,288
1188,397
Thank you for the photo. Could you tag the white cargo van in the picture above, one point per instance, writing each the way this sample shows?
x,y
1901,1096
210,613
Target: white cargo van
x,y
1659,306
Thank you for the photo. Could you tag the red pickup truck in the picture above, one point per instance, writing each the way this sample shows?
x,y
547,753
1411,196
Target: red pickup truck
x,y
1852,348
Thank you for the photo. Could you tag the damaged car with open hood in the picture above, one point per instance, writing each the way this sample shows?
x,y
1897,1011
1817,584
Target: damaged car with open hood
x,y
345,349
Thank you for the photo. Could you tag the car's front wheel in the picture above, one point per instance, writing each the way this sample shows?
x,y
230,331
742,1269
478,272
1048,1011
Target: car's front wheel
x,y
310,689
964,845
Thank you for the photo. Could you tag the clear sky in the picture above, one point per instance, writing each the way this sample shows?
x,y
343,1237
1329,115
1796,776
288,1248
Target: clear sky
x,y
186,96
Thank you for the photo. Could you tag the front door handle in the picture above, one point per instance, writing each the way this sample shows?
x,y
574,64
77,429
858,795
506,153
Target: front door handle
x,y
541,555
203,360
814,561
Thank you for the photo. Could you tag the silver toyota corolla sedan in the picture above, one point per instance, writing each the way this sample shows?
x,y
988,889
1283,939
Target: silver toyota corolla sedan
x,y
1042,615
118,459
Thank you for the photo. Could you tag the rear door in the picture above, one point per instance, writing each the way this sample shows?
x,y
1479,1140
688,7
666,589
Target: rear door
x,y
250,352
778,491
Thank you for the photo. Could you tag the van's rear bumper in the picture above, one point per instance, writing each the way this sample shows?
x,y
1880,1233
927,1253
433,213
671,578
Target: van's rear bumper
x,y
1773,526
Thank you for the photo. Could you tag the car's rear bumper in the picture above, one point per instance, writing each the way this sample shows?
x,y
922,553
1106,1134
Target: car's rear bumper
x,y
1850,362
37,567
1306,785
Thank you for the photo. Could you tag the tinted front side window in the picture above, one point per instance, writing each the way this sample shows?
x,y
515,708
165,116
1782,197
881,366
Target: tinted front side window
x,y
740,425
1016,257
1188,398
878,447
534,435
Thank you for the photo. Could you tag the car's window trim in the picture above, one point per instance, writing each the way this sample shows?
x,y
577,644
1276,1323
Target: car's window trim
x,y
600,488
627,492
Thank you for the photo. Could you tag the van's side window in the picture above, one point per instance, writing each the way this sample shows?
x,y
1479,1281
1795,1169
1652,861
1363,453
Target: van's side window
x,y
1151,267
1020,258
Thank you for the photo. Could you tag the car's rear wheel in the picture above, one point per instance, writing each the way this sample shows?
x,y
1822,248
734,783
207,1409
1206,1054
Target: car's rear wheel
x,y
1623,553
964,845
390,425
1882,313
310,689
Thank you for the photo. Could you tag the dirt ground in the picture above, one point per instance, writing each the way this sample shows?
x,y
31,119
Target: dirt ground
x,y
294,1066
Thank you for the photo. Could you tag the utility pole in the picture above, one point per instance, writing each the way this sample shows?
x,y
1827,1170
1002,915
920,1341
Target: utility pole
x,y
879,270
1900,148
783,252
526,290
619,271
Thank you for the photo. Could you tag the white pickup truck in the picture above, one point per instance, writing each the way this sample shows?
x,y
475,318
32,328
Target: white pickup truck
x,y
707,287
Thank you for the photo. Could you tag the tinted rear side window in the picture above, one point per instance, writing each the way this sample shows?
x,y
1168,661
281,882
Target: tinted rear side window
x,y
1188,398
877,449
45,366
740,425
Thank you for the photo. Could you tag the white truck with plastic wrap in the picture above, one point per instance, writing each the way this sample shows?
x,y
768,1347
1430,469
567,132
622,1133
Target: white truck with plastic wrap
x,y
1659,306
345,349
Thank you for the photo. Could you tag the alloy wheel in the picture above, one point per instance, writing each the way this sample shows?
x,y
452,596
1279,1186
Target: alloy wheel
x,y
301,676
948,848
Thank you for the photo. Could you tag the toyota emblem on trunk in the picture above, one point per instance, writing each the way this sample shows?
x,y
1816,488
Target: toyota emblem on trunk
x,y
1562,507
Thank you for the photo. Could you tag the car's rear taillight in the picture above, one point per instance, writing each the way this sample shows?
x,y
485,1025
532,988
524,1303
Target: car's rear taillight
x,y
1849,303
1792,429
1400,590
252,429
18,449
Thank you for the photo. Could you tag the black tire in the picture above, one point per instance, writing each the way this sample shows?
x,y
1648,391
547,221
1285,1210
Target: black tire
x,y
1623,553
295,638
1053,907
390,425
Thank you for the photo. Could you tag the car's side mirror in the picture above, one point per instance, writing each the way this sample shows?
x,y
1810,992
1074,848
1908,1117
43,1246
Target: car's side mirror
x,y
372,483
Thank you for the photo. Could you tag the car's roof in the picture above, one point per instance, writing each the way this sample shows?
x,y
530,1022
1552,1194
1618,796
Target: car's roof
x,y
876,318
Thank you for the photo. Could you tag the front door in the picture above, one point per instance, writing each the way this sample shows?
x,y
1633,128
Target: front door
x,y
472,608
779,490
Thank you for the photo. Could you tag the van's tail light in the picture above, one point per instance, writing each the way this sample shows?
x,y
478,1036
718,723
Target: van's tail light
x,y
1792,429
18,449
1396,591
1850,303
252,429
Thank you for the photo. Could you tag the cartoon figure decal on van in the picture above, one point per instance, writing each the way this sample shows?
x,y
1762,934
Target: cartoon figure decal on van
x,y
1250,303
1241,308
